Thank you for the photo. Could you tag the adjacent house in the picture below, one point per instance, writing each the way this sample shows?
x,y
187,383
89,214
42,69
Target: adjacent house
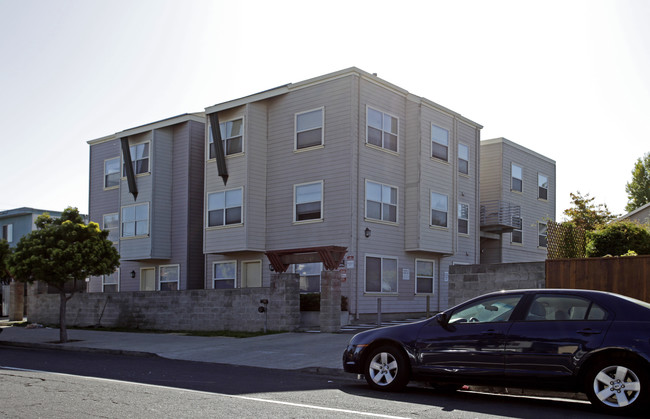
x,y
146,189
641,214
517,200
20,221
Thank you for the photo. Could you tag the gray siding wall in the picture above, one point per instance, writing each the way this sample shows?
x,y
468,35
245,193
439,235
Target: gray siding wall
x,y
160,211
195,193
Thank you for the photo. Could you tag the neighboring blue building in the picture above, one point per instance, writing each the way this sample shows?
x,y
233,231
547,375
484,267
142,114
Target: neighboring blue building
x,y
20,221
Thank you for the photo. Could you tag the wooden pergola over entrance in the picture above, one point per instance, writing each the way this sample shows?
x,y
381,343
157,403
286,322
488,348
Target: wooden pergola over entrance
x,y
331,256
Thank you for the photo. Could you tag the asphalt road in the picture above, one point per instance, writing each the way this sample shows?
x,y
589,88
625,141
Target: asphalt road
x,y
39,383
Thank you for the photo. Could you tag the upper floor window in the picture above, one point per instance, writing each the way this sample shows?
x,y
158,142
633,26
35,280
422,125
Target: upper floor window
x,y
112,172
139,158
169,275
382,129
225,208
309,129
110,283
463,159
542,186
111,223
424,281
224,274
517,178
439,209
381,274
463,218
8,232
439,143
135,220
541,234
517,234
232,135
381,202
308,201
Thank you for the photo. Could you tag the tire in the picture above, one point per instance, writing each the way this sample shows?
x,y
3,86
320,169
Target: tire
x,y
386,369
617,385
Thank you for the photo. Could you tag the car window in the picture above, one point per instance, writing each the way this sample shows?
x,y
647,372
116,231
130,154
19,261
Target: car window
x,y
563,308
493,309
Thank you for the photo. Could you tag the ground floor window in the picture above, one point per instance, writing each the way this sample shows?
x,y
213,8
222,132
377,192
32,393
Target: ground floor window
x,y
309,276
381,274
224,274
424,282
110,283
169,277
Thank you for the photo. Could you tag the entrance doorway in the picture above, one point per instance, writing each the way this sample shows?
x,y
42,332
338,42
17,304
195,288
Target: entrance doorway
x,y
148,279
251,273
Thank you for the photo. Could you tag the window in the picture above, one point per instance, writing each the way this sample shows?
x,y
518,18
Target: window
x,y
463,218
8,232
139,158
135,220
438,210
381,130
381,274
542,186
225,208
564,308
439,143
169,275
517,178
489,310
463,159
381,202
232,136
111,223
112,172
308,199
309,276
110,283
424,283
541,233
309,129
517,234
224,274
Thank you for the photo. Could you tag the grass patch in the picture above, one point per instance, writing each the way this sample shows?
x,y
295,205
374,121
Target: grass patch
x,y
203,333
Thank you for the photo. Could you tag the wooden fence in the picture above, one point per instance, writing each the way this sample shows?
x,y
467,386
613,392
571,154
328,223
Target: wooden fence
x,y
629,275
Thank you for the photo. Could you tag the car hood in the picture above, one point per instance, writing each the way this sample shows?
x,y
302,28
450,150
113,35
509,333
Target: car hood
x,y
402,333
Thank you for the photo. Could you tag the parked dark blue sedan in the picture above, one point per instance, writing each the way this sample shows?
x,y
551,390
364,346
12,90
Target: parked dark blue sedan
x,y
560,339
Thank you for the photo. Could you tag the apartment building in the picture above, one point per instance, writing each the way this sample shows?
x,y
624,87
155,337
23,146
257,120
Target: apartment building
x,y
152,206
517,200
18,222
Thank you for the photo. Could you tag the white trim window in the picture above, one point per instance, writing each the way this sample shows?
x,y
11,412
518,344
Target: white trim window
x,y
309,128
439,209
309,276
463,159
382,129
232,136
381,274
517,181
112,173
424,276
381,202
135,220
225,208
517,235
463,218
8,232
439,143
169,277
542,239
308,201
224,274
139,159
111,283
111,223
542,186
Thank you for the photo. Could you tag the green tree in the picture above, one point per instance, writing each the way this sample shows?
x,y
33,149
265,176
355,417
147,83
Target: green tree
x,y
5,252
60,251
638,189
619,238
586,215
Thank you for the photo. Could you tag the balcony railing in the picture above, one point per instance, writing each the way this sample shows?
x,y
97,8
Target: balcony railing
x,y
500,216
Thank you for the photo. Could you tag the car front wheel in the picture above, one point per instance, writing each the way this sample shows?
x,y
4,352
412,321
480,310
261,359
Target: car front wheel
x,y
618,385
386,369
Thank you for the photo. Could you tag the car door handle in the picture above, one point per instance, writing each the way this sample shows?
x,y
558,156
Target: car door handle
x,y
491,332
589,331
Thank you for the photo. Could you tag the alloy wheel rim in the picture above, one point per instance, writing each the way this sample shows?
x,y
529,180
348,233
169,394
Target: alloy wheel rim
x,y
617,386
383,369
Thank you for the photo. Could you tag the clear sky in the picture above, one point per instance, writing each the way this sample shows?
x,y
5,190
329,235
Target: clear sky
x,y
567,79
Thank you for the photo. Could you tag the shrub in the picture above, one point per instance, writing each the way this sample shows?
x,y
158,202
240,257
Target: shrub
x,y
619,238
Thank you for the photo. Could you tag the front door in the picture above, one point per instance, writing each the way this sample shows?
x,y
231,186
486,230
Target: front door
x,y
251,274
148,279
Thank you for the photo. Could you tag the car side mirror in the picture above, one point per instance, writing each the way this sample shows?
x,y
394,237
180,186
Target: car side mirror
x,y
443,319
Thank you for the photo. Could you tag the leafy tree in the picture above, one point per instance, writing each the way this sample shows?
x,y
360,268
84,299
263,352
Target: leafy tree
x,y
61,250
586,215
638,189
619,238
5,252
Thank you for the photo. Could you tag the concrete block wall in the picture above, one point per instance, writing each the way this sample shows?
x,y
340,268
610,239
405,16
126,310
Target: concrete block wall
x,y
330,302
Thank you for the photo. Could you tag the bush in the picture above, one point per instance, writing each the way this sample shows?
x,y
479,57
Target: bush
x,y
619,238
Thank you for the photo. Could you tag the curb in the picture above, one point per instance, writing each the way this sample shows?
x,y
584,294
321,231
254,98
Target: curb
x,y
59,347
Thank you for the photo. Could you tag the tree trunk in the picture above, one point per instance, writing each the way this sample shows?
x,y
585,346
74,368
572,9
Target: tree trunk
x,y
63,331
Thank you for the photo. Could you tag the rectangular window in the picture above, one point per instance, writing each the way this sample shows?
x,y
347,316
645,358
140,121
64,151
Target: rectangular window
x,y
111,223
139,159
169,277
110,283
8,232
463,219
517,178
112,173
309,276
381,129
308,201
542,186
381,274
424,276
381,202
439,209
225,208
517,234
541,233
439,143
463,159
224,274
135,220
309,129
232,136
